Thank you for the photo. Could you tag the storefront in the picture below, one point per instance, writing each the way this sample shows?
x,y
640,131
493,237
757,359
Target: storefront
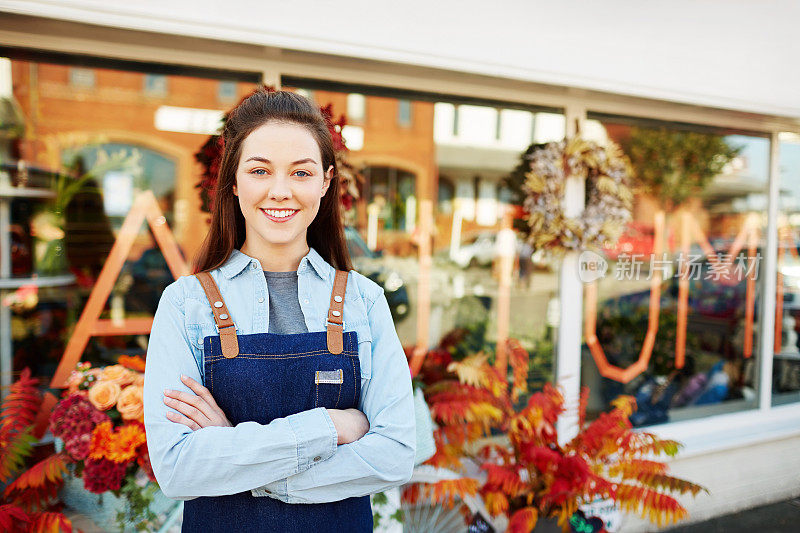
x,y
435,138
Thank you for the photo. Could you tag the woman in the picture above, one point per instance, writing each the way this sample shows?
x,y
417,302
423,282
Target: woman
x,y
277,393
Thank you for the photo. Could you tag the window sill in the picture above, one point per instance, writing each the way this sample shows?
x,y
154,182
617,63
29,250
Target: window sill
x,y
734,430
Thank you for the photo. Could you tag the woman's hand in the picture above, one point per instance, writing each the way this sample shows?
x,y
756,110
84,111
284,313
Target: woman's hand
x,y
197,410
351,424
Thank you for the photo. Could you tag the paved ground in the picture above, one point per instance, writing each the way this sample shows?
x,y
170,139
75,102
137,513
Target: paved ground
x,y
780,517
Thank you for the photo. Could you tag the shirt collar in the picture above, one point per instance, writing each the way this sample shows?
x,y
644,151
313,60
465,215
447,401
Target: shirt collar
x,y
238,260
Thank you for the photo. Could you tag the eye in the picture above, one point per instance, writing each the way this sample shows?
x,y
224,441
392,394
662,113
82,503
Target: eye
x,y
304,172
258,171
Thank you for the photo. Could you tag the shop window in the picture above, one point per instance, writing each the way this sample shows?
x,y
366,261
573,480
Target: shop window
x,y
447,192
83,78
227,91
393,190
709,187
74,128
155,172
404,113
155,85
356,107
786,346
462,296
308,93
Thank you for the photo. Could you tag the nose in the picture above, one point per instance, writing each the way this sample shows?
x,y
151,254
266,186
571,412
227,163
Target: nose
x,y
280,189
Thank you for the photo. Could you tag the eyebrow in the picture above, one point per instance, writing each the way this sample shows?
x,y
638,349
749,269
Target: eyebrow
x,y
265,160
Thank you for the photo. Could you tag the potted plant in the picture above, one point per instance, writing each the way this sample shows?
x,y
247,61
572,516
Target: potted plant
x,y
527,474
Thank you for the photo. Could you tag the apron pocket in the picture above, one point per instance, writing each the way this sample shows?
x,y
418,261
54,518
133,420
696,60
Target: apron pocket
x,y
328,384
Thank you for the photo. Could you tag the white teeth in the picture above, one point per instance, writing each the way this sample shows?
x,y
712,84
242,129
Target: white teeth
x,y
278,214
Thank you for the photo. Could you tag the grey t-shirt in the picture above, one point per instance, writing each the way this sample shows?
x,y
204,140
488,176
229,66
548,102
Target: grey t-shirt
x,y
285,315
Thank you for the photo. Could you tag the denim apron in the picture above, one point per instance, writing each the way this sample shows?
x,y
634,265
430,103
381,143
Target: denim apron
x,y
263,376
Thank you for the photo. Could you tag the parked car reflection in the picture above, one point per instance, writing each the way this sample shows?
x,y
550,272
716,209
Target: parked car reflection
x,y
372,264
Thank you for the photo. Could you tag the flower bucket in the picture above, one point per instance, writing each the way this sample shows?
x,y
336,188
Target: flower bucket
x,y
102,509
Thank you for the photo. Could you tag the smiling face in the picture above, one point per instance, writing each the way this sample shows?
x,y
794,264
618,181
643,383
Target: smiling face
x,y
279,183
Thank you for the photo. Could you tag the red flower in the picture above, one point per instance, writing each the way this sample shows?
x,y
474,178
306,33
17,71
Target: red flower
x,y
73,420
574,469
101,475
542,458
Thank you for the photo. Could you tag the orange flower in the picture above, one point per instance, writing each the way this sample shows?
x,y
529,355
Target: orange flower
x,y
118,374
104,394
134,362
119,446
130,404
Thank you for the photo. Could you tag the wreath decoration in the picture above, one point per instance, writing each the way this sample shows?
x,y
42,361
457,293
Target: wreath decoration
x,y
609,200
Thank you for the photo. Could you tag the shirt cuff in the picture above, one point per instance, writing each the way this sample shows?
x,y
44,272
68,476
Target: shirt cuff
x,y
316,438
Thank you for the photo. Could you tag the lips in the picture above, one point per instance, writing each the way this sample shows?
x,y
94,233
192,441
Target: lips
x,y
280,219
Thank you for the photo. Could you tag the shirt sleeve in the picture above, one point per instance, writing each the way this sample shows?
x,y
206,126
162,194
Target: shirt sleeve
x,y
384,457
215,461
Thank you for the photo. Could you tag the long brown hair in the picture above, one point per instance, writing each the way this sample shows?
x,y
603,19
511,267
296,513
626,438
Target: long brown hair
x,y
325,233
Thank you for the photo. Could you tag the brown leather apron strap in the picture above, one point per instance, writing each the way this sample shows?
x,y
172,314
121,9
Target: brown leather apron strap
x,y
335,312
227,329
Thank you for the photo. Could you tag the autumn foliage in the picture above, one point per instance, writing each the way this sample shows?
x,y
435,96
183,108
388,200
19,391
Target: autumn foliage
x,y
529,474
29,500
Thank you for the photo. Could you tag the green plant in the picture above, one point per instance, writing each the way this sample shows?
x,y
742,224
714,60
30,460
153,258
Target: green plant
x,y
379,518
673,165
137,504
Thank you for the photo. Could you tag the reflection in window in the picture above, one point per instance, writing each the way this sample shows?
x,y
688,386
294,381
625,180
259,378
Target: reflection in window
x,y
82,77
155,85
786,362
392,189
118,189
77,115
458,154
227,91
404,113
446,194
711,187
356,106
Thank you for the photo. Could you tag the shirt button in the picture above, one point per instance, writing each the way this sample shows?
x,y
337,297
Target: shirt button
x,y
305,301
317,458
252,265
261,300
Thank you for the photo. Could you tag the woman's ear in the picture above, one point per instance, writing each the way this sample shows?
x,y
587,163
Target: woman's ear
x,y
327,180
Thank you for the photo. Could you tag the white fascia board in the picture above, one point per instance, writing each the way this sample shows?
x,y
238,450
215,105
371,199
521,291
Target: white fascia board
x,y
735,55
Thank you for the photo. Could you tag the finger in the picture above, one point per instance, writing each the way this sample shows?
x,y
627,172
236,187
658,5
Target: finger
x,y
200,390
208,411
188,410
185,397
175,417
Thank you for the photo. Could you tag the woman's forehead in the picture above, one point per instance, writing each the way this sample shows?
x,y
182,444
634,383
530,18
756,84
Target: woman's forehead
x,y
281,144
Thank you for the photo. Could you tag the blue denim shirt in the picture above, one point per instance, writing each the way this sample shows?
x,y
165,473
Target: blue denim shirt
x,y
294,459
